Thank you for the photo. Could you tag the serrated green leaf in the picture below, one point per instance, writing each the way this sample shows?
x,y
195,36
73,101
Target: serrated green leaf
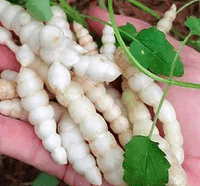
x,y
193,23
127,32
40,9
145,164
45,179
155,53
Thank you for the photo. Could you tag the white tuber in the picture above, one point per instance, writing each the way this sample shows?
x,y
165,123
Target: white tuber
x,y
142,126
59,77
62,24
8,14
29,84
85,39
78,150
165,24
9,75
150,93
8,89
108,39
13,109
105,104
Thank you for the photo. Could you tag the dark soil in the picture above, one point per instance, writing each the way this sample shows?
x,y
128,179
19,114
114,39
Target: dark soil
x,y
16,173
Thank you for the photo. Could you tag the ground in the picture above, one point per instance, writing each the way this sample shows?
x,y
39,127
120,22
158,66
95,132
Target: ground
x,y
16,173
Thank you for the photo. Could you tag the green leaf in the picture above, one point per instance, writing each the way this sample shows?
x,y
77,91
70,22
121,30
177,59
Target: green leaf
x,y
45,180
40,9
19,2
155,53
145,164
194,25
128,32
195,44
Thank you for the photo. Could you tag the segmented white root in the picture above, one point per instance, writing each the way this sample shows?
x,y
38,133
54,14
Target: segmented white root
x,y
60,20
8,89
51,44
6,39
138,113
105,104
9,75
35,100
23,54
108,39
150,93
100,140
78,151
83,112
97,67
141,118
8,13
29,32
85,39
13,109
165,24
116,95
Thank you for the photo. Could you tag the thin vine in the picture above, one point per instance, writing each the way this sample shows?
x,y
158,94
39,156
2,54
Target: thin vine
x,y
137,64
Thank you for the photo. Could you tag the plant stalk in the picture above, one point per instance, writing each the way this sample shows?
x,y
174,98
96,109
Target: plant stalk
x,y
137,64
168,86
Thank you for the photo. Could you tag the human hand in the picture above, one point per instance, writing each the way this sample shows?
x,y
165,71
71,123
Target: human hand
x,y
185,101
18,140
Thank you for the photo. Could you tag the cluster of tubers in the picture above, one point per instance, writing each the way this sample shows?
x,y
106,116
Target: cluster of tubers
x,y
77,76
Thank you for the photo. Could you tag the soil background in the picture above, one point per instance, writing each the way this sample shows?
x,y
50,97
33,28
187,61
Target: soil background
x,y
16,173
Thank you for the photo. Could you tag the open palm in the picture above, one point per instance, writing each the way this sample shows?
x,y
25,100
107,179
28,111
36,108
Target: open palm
x,y
18,140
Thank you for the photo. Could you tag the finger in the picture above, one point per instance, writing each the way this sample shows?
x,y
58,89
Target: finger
x,y
8,59
97,27
185,101
18,140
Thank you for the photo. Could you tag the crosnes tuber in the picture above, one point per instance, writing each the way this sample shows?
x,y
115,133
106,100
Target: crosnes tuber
x,y
78,74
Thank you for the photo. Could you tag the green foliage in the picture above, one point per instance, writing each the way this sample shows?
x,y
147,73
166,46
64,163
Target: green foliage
x,y
19,2
45,180
39,9
151,49
194,25
145,164
127,32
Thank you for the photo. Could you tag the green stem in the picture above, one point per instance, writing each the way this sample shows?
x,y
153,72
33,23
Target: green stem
x,y
168,86
177,54
95,19
158,110
137,64
146,9
186,5
102,4
153,13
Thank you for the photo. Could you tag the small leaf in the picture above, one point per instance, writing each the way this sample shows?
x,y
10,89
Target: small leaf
x,y
45,180
145,164
155,53
195,44
194,25
40,9
128,32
